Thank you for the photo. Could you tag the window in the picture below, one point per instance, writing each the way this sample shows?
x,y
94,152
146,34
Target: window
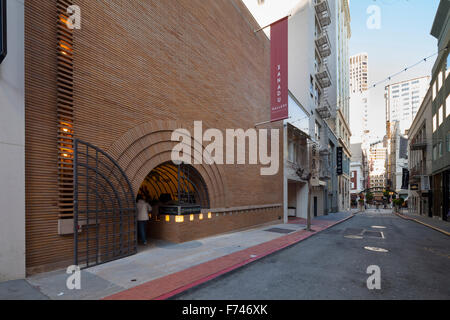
x,y
292,152
438,82
317,131
447,106
441,115
441,153
434,123
435,153
433,91
448,141
448,66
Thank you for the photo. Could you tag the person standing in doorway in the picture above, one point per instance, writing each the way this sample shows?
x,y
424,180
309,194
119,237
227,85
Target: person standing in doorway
x,y
143,209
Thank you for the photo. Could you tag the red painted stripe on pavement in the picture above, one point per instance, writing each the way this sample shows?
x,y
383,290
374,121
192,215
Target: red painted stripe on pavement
x,y
149,290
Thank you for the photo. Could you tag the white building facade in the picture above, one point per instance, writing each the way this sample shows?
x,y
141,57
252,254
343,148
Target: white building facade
x,y
319,95
342,121
358,172
377,171
359,99
359,72
311,86
399,160
12,147
403,100
421,160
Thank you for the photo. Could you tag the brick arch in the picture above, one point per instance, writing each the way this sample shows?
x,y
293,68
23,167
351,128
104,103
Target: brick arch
x,y
143,148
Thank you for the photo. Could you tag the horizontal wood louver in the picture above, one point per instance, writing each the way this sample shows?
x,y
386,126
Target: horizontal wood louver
x,y
65,99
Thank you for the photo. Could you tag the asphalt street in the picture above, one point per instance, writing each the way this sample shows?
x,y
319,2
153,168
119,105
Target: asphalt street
x,y
333,265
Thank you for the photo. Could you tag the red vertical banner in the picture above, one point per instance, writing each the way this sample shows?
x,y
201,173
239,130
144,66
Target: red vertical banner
x,y
279,70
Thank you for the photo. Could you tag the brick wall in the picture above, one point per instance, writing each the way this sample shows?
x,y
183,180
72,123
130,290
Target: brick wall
x,y
137,63
197,228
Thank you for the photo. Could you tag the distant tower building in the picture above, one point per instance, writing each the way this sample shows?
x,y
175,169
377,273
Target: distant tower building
x,y
377,170
359,72
403,100
359,99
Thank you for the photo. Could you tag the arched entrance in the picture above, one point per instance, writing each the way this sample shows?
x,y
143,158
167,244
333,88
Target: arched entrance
x,y
175,188
142,149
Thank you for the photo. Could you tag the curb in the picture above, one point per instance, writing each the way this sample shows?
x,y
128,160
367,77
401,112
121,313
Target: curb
x,y
128,294
422,223
244,263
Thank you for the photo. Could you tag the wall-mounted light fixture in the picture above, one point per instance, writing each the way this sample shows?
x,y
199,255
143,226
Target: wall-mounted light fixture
x,y
3,42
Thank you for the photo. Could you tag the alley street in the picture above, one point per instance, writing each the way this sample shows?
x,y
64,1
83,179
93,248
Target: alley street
x,y
333,265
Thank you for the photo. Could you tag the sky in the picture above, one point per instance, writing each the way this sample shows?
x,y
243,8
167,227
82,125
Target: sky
x,y
402,40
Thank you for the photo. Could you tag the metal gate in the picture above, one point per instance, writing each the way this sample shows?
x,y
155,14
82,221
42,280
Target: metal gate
x,y
105,216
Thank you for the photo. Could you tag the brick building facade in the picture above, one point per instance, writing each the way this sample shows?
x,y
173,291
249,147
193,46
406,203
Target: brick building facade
x,y
138,71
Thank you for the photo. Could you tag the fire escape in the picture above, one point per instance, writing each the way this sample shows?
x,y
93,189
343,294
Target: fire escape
x,y
323,48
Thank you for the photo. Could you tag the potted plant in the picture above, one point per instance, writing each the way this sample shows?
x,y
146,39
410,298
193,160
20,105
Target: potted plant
x,y
398,203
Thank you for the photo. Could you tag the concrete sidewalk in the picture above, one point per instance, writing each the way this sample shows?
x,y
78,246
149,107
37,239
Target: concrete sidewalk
x,y
162,269
434,223
20,290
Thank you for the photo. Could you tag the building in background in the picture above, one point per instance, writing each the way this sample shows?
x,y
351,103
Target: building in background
x,y
403,100
329,169
359,73
440,100
297,156
316,78
359,99
359,124
420,160
377,171
398,159
358,172
319,90
341,123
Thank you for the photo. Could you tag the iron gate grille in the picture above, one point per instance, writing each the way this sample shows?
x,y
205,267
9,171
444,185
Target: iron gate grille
x,y
105,217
